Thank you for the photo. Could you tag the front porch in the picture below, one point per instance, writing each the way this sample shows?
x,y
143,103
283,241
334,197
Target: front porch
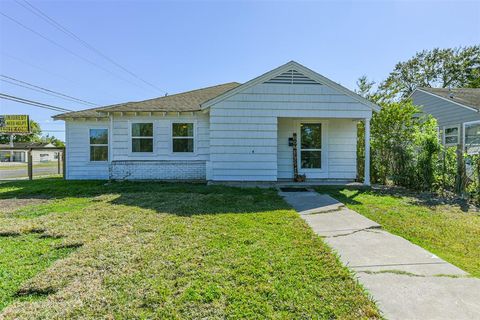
x,y
326,150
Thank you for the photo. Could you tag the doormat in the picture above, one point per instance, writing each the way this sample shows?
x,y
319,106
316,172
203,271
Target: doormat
x,y
287,189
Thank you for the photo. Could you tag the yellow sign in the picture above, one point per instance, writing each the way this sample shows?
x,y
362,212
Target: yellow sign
x,y
12,123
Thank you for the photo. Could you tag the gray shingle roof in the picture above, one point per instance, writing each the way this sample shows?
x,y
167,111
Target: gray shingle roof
x,y
180,102
469,97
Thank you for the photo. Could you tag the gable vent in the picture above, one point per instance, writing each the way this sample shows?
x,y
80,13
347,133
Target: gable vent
x,y
292,77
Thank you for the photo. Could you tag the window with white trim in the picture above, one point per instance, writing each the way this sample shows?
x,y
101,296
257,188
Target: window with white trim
x,y
311,145
142,137
472,135
182,137
98,144
451,135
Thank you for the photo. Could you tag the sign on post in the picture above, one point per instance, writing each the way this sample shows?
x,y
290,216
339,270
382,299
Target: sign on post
x,y
14,124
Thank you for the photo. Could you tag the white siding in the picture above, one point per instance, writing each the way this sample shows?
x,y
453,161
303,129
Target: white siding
x,y
79,165
244,135
341,148
162,132
77,144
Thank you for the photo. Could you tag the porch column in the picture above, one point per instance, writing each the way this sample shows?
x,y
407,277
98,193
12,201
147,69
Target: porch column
x,y
367,152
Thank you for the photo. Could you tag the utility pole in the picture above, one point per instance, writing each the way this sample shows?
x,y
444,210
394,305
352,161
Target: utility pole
x,y
11,146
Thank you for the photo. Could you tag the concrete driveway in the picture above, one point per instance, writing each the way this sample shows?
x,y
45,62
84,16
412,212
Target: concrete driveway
x,y
405,280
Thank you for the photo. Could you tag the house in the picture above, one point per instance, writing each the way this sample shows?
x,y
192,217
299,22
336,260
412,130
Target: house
x,y
20,155
457,112
228,132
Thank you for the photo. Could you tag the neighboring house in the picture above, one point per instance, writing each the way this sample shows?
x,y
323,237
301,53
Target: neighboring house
x,y
457,112
228,132
21,155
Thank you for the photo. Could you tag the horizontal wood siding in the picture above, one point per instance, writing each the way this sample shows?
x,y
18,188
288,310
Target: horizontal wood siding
x,y
78,164
162,138
247,143
341,148
78,145
446,113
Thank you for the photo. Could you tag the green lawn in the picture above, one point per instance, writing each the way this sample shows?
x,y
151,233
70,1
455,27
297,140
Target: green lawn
x,y
450,231
175,251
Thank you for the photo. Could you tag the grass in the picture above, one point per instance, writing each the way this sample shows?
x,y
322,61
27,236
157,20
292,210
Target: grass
x,y
21,258
173,251
448,230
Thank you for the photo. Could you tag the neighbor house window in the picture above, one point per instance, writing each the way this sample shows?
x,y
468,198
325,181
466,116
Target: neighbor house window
x,y
182,137
451,135
142,137
472,137
98,144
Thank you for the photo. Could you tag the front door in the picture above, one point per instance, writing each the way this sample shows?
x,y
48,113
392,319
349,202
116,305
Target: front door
x,y
310,149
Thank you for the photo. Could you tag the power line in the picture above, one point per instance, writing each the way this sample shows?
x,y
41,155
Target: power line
x,y
68,50
46,91
60,27
111,94
33,103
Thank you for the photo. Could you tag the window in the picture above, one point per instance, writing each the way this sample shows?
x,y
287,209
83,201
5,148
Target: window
x,y
182,137
472,137
142,137
451,135
98,144
311,145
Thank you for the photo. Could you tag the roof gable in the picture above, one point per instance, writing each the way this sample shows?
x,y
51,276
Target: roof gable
x,y
291,73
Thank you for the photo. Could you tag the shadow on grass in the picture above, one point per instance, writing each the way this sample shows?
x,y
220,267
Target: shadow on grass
x,y
178,198
426,199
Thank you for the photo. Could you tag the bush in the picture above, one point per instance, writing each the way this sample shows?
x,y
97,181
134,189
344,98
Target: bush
x,y
404,147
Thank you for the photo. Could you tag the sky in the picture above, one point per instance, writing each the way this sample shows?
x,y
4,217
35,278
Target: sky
x,y
175,46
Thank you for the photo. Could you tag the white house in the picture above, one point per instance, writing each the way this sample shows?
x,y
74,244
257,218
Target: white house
x,y
228,132
20,155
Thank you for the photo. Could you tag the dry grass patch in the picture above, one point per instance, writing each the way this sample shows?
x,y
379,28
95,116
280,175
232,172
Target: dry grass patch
x,y
11,205
178,251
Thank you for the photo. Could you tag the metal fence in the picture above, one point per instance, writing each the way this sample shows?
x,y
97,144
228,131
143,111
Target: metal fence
x,y
31,163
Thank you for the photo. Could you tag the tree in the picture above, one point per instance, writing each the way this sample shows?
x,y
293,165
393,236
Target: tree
x,y
34,136
440,68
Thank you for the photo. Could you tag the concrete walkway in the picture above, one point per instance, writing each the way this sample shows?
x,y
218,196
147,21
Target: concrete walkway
x,y
405,280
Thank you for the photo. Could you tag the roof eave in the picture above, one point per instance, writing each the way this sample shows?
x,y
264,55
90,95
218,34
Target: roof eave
x,y
292,64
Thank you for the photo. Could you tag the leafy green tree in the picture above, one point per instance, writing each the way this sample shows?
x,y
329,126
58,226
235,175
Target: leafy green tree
x,y
34,136
440,68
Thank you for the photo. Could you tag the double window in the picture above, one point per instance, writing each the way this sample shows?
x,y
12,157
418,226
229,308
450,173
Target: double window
x,y
451,135
142,137
98,144
142,141
182,137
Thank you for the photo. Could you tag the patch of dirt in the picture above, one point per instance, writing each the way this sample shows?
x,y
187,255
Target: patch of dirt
x,y
430,199
11,205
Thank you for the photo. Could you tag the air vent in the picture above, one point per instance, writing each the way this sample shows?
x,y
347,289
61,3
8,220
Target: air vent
x,y
292,77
